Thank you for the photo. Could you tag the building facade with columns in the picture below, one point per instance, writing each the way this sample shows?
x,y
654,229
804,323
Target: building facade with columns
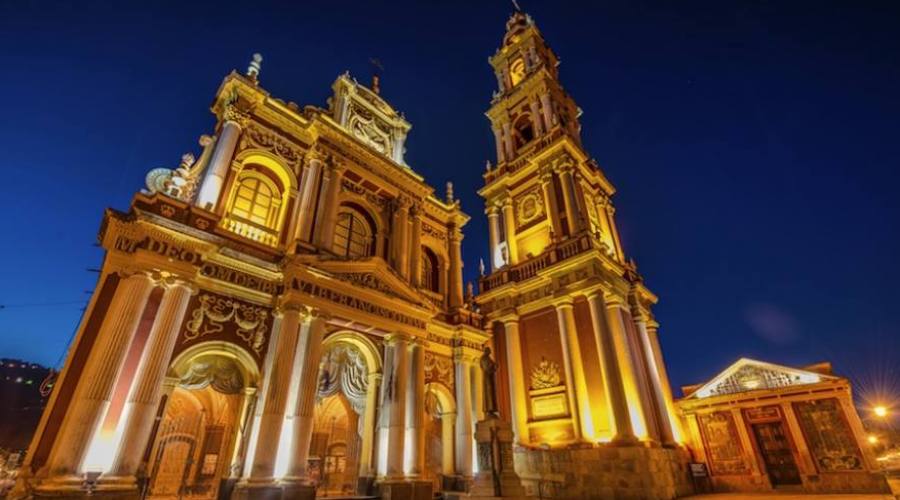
x,y
282,313
569,314
764,427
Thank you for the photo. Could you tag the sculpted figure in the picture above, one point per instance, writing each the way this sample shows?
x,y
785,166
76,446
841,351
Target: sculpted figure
x,y
489,369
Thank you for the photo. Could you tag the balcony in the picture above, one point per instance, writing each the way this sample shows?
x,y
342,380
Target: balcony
x,y
250,231
525,270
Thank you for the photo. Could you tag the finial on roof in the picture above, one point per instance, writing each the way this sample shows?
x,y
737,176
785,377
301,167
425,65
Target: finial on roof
x,y
449,192
481,267
254,67
487,166
516,5
377,68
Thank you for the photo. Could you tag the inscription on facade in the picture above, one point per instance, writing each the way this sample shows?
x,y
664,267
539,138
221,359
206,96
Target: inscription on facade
x,y
354,302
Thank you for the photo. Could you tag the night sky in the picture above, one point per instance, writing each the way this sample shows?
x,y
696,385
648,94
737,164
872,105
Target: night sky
x,y
754,146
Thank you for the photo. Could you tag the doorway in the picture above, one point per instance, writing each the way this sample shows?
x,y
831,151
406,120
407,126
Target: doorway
x,y
777,455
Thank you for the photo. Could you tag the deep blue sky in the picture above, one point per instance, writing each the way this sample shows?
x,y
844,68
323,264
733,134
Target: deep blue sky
x,y
754,146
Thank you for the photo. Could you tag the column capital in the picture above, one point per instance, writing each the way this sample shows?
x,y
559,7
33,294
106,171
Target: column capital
x,y
563,303
509,319
170,281
492,210
233,114
614,301
315,155
317,313
394,338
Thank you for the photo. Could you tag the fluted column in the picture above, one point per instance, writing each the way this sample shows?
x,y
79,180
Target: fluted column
x,y
509,223
393,396
665,387
614,308
310,353
308,184
415,412
654,383
568,188
518,401
609,365
551,203
101,372
456,265
464,429
270,424
576,382
493,215
398,237
144,396
217,170
548,110
366,467
415,247
328,204
498,140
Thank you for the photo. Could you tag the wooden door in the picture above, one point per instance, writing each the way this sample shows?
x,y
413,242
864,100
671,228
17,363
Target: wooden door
x,y
776,452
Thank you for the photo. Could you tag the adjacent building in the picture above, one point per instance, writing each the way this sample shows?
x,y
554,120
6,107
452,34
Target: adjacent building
x,y
764,427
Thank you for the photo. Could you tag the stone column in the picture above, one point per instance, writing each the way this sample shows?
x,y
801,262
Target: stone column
x,y
464,429
613,232
477,393
536,119
548,110
576,382
448,419
609,365
248,405
328,205
498,140
551,204
665,387
308,196
366,466
517,398
806,465
217,170
415,411
101,372
493,215
508,142
509,223
272,420
310,352
654,383
265,382
146,391
456,265
614,308
567,181
415,250
746,443
398,237
393,404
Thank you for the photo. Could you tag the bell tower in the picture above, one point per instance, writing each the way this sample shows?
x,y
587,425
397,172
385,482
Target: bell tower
x,y
571,317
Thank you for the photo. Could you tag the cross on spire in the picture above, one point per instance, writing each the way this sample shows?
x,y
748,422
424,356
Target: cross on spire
x,y
377,68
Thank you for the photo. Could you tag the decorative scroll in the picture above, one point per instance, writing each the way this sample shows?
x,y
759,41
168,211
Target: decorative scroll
x,y
434,232
529,207
751,378
270,141
828,435
723,445
369,130
213,314
438,369
545,375
343,367
221,373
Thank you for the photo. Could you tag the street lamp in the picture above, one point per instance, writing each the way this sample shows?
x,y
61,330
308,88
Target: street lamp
x,y
880,411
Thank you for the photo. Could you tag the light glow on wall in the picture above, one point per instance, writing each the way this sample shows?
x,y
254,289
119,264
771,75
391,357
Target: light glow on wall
x,y
283,457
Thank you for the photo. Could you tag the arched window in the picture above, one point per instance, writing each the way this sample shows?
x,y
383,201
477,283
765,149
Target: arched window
x,y
353,236
255,207
524,131
430,270
517,71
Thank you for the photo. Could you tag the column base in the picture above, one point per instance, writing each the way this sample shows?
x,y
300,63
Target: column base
x,y
404,489
257,489
365,485
624,441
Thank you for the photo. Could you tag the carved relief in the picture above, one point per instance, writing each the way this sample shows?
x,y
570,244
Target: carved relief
x,y
270,141
828,435
369,130
723,445
434,232
351,187
438,369
545,374
529,207
214,315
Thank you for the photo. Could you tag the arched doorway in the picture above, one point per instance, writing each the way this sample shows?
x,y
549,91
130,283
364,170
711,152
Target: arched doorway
x,y
341,448
440,422
200,425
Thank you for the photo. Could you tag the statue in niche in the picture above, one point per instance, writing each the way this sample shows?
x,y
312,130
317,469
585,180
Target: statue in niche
x,y
489,369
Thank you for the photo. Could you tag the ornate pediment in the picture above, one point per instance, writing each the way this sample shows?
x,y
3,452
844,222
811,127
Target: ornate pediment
x,y
374,274
748,375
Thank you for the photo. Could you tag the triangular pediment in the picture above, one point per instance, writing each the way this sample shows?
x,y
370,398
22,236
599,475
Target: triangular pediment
x,y
747,375
374,274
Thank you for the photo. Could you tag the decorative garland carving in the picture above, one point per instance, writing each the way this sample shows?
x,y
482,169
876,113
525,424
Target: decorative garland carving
x,y
349,186
343,368
434,232
271,142
209,318
438,369
545,375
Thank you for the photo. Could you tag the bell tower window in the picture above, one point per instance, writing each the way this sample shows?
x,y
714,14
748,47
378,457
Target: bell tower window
x,y
524,131
517,71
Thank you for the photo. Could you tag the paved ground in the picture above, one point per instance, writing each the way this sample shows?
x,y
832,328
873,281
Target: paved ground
x,y
785,496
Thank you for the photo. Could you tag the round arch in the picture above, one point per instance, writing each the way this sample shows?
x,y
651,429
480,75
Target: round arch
x,y
248,366
447,426
271,162
365,346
